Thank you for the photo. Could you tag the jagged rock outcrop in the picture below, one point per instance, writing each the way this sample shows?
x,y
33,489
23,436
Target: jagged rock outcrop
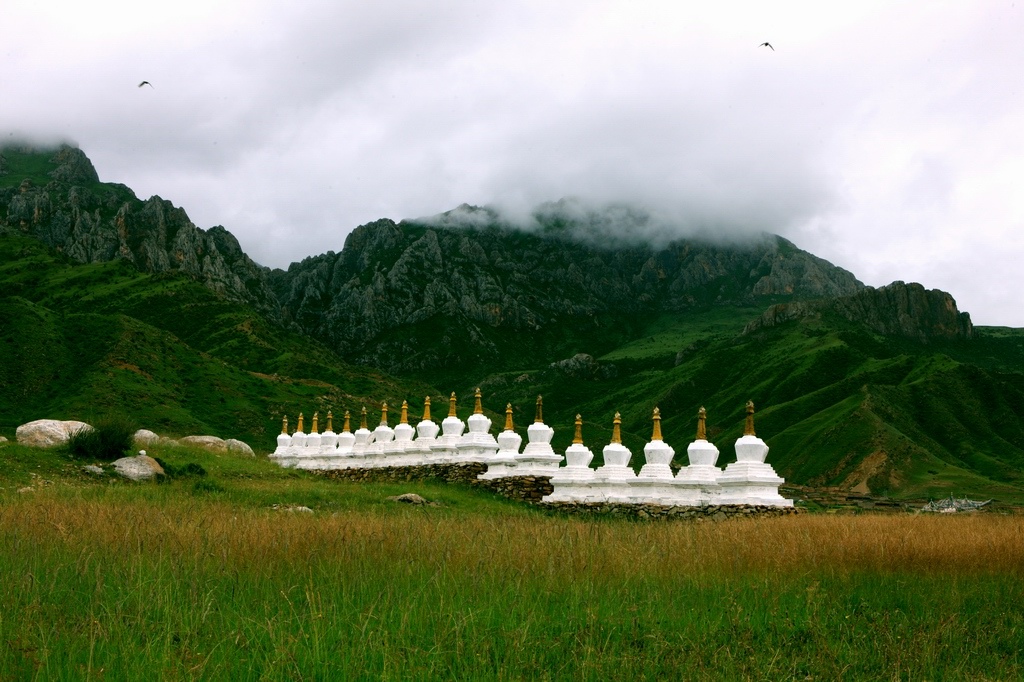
x,y
421,294
898,309
93,222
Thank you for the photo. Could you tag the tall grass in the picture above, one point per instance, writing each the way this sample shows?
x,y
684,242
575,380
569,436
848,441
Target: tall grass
x,y
190,588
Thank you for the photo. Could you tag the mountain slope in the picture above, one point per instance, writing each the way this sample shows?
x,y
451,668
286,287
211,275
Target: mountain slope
x,y
85,341
455,302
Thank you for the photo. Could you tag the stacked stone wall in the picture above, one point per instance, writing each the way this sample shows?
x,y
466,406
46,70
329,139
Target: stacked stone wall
x,y
532,489
714,512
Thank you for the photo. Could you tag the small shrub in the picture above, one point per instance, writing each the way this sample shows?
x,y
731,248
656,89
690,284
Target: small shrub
x,y
207,485
109,440
186,470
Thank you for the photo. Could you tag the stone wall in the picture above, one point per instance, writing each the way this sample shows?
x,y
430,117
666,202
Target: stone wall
x,y
531,489
715,512
464,472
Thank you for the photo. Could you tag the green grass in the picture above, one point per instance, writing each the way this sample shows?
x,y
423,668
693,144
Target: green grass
x,y
116,580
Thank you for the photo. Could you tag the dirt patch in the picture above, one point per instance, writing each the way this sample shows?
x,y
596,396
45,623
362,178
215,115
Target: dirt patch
x,y
871,465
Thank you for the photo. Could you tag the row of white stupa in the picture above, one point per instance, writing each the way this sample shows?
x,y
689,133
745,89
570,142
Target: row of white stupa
x,y
748,480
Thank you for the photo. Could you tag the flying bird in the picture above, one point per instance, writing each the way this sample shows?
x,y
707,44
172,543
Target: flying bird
x,y
145,83
767,44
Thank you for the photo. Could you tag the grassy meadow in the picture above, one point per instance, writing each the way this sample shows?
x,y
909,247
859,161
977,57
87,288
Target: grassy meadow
x,y
215,577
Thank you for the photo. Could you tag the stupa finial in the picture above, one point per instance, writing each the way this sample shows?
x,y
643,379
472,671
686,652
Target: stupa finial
x,y
348,422
578,438
330,420
617,428
656,435
748,429
426,409
284,425
451,405
405,412
478,408
384,413
300,423
316,418
362,420
702,415
508,417
540,410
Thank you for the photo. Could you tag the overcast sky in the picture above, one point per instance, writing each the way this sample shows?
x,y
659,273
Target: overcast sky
x,y
886,137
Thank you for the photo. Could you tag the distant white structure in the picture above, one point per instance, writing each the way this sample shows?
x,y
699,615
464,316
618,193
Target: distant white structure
x,y
749,480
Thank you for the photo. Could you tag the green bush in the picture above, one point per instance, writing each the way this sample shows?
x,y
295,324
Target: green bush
x,y
109,440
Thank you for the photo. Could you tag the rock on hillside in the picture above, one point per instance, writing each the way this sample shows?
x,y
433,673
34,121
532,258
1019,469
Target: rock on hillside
x,y
898,309
70,210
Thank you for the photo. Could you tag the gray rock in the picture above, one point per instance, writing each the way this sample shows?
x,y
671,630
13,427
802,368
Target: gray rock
x,y
146,438
409,498
47,433
209,442
239,447
93,469
140,468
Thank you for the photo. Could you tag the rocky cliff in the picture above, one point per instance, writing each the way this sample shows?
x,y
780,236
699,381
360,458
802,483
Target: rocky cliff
x,y
421,294
56,196
898,309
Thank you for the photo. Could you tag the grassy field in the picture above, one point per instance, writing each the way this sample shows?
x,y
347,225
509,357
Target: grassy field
x,y
212,577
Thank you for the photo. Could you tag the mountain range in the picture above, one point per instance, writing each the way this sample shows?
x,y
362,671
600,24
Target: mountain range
x,y
115,303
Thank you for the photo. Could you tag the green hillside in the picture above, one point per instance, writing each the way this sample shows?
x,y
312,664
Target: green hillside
x,y
839,406
87,341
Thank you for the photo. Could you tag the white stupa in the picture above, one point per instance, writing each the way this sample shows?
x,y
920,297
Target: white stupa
x,y
613,479
426,436
503,462
311,456
382,435
750,480
477,444
655,482
283,442
363,438
574,481
297,450
329,439
346,438
538,458
697,483
445,448
395,450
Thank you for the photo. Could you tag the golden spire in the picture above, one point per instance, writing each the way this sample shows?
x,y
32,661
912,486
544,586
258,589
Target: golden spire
x,y
362,422
330,420
405,412
748,429
702,415
384,413
284,425
300,423
508,417
348,423
316,417
540,411
477,407
617,429
426,409
657,425
578,438
451,406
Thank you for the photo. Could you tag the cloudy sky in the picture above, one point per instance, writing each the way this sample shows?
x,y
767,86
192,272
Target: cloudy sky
x,y
886,137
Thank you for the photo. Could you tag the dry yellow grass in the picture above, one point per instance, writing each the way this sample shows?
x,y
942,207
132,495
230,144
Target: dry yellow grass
x,y
969,544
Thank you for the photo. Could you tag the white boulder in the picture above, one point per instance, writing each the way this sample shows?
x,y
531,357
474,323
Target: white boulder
x,y
46,433
209,442
240,447
145,437
140,468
